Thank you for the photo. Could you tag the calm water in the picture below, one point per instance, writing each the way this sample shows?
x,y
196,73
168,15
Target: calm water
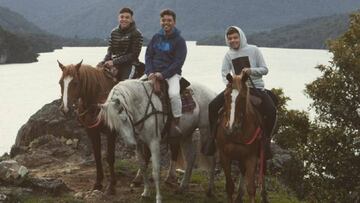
x,y
25,88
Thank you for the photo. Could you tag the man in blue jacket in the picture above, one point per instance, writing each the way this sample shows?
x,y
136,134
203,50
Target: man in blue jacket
x,y
164,58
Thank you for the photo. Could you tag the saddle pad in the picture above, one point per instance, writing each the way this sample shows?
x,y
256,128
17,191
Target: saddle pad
x,y
187,100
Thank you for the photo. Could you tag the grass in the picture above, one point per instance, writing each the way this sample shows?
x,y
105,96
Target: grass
x,y
277,192
47,199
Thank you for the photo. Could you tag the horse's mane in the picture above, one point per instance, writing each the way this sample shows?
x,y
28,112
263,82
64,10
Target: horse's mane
x,y
128,90
93,82
244,90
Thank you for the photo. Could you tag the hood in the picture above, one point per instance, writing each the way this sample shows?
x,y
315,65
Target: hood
x,y
243,41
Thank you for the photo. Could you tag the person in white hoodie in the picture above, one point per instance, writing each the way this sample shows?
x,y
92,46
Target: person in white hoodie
x,y
238,47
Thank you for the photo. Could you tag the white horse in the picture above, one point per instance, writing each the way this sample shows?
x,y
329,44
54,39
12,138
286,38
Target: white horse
x,y
136,114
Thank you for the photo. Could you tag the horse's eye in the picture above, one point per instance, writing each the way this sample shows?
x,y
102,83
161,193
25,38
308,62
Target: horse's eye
x,y
121,109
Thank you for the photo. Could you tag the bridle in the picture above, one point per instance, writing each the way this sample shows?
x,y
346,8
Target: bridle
x,y
147,114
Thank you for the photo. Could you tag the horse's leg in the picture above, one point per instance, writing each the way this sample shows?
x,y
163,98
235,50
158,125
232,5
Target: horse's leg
x,y
241,190
226,165
250,170
189,150
155,154
138,178
211,177
171,176
95,138
144,158
111,160
205,135
264,197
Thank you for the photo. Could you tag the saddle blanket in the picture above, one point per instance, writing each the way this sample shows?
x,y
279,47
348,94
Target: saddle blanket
x,y
187,100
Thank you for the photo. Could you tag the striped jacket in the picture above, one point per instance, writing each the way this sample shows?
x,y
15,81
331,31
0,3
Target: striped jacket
x,y
124,45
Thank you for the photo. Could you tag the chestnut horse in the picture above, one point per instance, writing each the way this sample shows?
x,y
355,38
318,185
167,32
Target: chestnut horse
x,y
84,87
238,137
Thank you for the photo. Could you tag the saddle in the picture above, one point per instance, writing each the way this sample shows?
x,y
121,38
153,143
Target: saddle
x,y
137,71
255,100
188,103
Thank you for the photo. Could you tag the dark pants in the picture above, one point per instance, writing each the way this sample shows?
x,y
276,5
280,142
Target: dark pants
x,y
267,110
123,72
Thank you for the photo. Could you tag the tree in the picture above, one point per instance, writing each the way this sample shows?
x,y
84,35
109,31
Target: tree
x,y
332,157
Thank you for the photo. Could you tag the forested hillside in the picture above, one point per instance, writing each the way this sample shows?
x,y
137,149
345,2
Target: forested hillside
x,y
309,34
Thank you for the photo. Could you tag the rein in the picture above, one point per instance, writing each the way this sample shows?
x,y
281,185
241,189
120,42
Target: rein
x,y
146,115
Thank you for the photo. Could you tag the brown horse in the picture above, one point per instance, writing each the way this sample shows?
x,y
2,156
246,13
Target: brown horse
x,y
85,87
238,137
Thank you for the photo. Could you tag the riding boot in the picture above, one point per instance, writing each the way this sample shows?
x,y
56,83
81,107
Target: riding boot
x,y
175,131
269,126
267,148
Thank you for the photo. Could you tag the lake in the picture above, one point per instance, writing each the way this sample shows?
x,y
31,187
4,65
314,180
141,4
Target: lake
x,y
25,88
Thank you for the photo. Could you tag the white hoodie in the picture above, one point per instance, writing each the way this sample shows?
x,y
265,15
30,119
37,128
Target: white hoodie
x,y
257,63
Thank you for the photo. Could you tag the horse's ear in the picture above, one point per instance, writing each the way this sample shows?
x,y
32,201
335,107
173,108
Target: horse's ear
x,y
77,66
229,77
245,77
61,65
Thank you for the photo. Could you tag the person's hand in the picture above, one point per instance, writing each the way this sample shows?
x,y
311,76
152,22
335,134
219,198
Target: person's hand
x,y
159,76
246,71
109,63
156,75
151,76
100,64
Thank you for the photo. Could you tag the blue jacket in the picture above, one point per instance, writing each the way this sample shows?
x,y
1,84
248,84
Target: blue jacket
x,y
165,54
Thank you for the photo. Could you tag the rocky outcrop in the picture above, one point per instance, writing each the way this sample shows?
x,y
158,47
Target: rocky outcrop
x,y
49,123
50,137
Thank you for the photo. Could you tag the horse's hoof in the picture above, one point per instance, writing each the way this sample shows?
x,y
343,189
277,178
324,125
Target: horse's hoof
x,y
181,190
210,193
110,190
264,200
145,196
98,187
170,180
136,182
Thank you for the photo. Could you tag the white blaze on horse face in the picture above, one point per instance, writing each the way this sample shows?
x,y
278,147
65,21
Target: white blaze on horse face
x,y
67,81
234,94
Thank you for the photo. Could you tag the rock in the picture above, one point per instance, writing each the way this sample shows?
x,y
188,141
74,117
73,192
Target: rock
x,y
11,172
79,195
69,142
62,139
47,185
3,198
49,120
94,196
11,193
23,171
76,142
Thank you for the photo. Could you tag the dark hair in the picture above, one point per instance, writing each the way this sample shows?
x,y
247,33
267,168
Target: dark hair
x,y
231,31
126,10
168,12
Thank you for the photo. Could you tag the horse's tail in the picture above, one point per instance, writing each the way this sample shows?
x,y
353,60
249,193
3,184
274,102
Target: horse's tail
x,y
109,115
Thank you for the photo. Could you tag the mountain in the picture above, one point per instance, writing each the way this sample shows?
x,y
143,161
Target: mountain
x,y
15,49
21,40
197,19
310,34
